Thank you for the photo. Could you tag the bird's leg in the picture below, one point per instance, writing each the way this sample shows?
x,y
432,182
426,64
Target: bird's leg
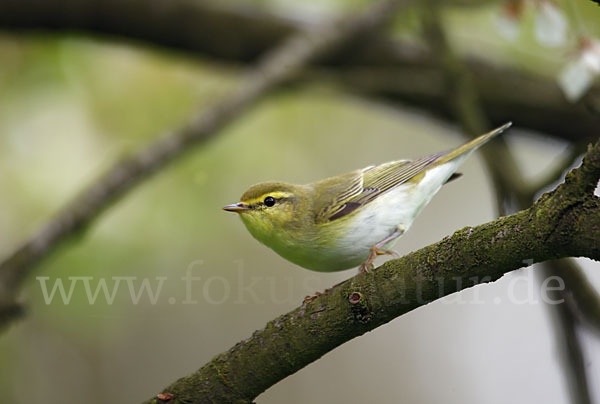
x,y
376,250
368,264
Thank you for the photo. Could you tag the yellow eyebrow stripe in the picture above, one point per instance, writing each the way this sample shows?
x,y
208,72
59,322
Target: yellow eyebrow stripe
x,y
276,195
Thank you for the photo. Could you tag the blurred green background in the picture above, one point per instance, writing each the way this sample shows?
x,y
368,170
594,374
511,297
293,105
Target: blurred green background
x,y
71,105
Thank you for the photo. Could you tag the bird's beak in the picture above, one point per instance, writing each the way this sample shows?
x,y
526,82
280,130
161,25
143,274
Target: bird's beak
x,y
237,207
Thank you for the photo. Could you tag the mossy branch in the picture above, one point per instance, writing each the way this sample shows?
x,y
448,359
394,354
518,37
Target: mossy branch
x,y
562,223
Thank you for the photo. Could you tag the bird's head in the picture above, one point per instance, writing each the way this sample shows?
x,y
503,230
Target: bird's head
x,y
268,207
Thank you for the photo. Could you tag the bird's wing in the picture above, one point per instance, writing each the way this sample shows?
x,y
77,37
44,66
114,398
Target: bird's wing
x,y
345,194
369,183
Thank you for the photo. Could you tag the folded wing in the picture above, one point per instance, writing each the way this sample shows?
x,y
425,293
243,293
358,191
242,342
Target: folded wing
x,y
370,183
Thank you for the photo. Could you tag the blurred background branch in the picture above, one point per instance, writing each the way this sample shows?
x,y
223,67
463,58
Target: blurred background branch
x,y
371,66
513,194
274,68
566,323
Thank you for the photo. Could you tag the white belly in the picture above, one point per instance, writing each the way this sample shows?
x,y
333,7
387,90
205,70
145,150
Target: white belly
x,y
379,219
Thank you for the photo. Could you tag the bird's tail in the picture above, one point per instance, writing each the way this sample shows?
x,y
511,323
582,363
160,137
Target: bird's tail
x,y
474,144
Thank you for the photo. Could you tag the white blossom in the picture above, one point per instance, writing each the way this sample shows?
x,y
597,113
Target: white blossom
x,y
550,24
507,22
579,75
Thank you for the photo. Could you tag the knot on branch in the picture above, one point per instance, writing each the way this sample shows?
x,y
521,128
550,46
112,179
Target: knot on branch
x,y
359,307
355,297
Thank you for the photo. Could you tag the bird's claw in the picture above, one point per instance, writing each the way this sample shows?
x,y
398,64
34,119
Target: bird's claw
x,y
366,267
373,253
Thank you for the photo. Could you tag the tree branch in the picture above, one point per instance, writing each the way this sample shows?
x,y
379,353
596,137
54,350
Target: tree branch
x,y
376,66
510,184
273,69
462,98
565,325
552,228
583,298
512,193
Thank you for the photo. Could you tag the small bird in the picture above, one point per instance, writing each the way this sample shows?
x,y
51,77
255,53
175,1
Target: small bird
x,y
349,219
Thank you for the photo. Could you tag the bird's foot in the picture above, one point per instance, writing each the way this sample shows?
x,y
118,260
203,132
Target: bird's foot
x,y
365,267
373,253
368,264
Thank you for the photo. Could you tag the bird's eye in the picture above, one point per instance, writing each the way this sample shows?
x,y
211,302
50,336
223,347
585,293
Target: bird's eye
x,y
269,201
